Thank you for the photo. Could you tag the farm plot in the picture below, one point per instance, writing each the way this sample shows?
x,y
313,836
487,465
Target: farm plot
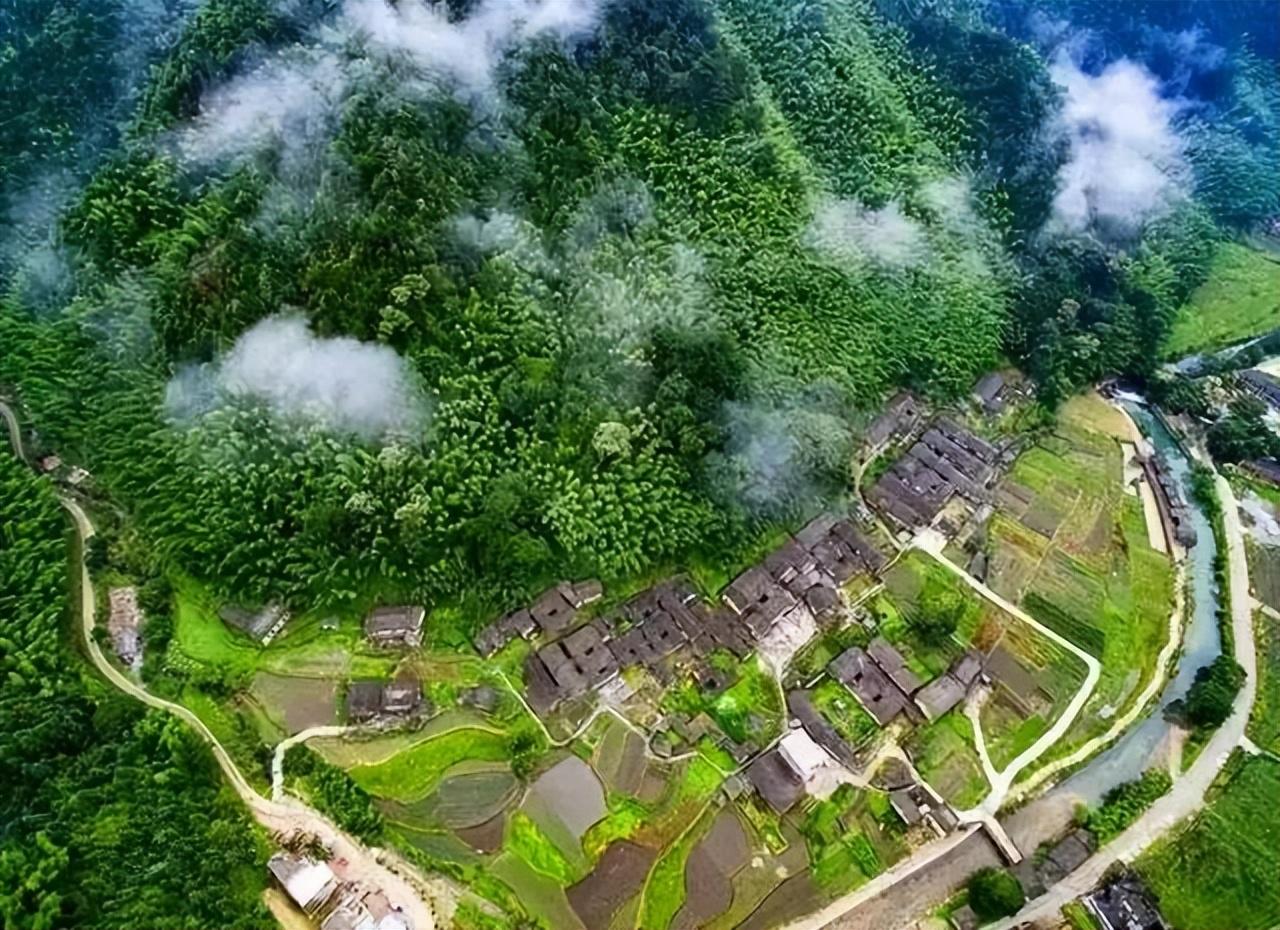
x,y
619,758
944,754
708,874
1093,577
470,794
616,879
1221,871
1035,679
296,704
412,773
563,803
851,837
1264,573
1264,722
762,876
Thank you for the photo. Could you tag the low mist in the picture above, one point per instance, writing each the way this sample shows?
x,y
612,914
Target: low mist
x,y
341,384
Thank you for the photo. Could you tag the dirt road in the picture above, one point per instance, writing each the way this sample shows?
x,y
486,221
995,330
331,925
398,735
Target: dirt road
x,y
284,815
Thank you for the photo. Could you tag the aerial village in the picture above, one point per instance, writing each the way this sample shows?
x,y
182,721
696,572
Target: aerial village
x,y
684,757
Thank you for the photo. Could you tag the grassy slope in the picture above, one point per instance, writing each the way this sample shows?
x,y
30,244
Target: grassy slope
x,y
1222,870
411,774
1264,723
1241,299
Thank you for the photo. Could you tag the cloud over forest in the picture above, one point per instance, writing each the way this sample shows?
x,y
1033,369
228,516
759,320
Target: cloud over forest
x,y
1125,165
342,384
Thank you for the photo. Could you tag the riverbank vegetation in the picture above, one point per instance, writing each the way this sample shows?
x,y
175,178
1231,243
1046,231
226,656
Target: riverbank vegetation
x,y
1221,869
1124,804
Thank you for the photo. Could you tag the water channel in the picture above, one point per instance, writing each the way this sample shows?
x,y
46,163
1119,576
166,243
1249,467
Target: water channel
x,y
1145,742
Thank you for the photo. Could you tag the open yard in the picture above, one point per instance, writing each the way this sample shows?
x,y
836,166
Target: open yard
x,y
1221,871
1089,572
842,710
1240,300
945,756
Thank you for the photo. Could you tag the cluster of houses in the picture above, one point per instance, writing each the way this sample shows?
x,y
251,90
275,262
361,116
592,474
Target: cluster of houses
x,y
333,903
669,625
1174,512
385,702
944,477
879,678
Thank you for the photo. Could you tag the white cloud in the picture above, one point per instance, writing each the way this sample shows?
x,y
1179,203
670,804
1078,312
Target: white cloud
x,y
849,231
292,98
287,101
345,385
468,50
1125,165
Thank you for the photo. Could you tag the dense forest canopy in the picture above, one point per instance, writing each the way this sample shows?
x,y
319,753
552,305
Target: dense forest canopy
x,y
109,817
346,300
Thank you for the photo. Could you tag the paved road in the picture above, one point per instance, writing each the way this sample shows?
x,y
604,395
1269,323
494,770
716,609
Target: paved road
x,y
1187,795
358,862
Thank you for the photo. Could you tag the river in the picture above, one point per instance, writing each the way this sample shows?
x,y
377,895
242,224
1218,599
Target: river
x,y
1145,743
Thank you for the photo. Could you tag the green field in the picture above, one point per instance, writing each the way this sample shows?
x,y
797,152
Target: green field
x,y
915,583
412,773
1241,299
665,890
945,756
1221,870
1264,722
1096,580
526,841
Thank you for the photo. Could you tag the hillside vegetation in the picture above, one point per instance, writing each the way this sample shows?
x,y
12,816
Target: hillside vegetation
x,y
109,817
623,288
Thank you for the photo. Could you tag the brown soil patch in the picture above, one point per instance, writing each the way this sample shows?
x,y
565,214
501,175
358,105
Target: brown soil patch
x,y
485,837
617,877
298,703
797,896
708,874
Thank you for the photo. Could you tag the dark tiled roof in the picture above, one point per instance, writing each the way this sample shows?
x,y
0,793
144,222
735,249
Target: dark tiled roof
x,y
858,672
775,780
364,699
552,612
394,622
894,665
939,696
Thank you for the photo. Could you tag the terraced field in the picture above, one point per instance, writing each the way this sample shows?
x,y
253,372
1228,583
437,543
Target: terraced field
x,y
1071,547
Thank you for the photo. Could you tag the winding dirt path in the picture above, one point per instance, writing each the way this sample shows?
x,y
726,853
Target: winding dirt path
x,y
278,815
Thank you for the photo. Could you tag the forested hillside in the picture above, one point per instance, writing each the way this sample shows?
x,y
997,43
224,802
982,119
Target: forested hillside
x,y
361,300
109,817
